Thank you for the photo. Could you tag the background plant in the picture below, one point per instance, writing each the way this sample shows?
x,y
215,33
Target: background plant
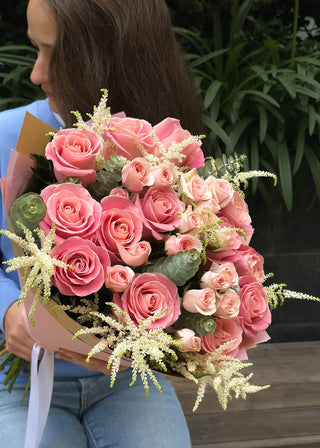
x,y
260,93
257,76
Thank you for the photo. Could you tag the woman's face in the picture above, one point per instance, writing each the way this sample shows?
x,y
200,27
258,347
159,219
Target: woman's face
x,y
42,32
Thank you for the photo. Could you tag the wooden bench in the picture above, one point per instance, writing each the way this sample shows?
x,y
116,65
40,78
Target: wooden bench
x,y
285,415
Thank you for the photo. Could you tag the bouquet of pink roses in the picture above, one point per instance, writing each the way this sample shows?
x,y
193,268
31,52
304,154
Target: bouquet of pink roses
x,y
131,233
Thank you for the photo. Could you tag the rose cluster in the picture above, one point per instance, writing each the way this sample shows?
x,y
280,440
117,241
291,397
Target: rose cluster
x,y
160,205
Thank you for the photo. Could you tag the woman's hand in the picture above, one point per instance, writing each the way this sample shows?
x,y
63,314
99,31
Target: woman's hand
x,y
18,341
96,365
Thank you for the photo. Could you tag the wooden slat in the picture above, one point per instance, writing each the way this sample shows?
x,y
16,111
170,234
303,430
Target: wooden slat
x,y
286,415
251,426
287,442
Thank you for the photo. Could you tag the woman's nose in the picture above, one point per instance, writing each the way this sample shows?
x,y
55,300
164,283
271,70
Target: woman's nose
x,y
40,72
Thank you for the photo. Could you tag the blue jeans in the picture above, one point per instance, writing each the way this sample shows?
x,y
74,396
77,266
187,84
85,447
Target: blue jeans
x,y
86,412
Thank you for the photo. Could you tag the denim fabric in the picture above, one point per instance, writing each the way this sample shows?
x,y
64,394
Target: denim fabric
x,y
87,413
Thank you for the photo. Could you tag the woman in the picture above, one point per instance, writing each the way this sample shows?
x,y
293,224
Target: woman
x,y
128,47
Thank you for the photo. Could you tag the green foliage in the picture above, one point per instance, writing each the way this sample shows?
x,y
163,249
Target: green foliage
x,y
42,174
12,365
16,62
107,178
261,99
199,323
179,268
29,209
219,167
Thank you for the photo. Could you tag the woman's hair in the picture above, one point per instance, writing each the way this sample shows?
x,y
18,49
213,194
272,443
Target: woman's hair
x,y
127,47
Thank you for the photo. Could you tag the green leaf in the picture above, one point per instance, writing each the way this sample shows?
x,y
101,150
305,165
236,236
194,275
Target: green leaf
x,y
241,16
288,85
233,60
199,323
261,72
254,158
312,118
271,144
107,178
211,93
237,102
237,132
308,93
285,173
179,268
216,128
215,108
273,111
42,174
301,131
263,123
207,57
309,60
314,164
265,96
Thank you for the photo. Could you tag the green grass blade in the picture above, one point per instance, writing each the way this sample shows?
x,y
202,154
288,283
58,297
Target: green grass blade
x,y
301,131
314,164
285,173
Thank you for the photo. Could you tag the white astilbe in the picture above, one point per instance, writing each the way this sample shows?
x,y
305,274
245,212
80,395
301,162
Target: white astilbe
x,y
277,293
84,308
242,177
37,264
144,347
173,152
218,371
99,119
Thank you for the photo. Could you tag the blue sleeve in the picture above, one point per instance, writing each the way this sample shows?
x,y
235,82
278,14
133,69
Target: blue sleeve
x,y
10,125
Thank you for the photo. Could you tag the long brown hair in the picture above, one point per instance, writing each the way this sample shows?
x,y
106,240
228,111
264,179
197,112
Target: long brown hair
x,y
128,47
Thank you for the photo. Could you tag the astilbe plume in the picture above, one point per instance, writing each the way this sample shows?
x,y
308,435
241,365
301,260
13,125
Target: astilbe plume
x,y
218,371
140,344
37,264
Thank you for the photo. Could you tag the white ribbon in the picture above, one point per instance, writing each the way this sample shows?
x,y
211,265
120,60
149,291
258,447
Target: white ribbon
x,y
40,395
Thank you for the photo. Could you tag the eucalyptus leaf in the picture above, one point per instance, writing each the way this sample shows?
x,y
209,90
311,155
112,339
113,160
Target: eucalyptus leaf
x,y
179,268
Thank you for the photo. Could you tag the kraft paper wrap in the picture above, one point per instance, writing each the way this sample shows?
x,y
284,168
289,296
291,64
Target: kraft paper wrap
x,y
53,328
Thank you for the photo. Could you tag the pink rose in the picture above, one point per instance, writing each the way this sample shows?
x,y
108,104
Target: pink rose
x,y
220,277
250,263
165,174
228,239
120,224
118,191
226,330
135,255
175,244
137,174
150,294
201,301
254,309
168,131
118,277
221,190
73,153
190,221
228,304
126,137
189,341
73,210
209,208
193,189
89,264
237,212
159,209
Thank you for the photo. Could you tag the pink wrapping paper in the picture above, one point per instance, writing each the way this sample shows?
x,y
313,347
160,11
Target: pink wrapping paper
x,y
53,328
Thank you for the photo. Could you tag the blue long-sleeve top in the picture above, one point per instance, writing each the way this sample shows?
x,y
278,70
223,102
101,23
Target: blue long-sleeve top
x,y
10,126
